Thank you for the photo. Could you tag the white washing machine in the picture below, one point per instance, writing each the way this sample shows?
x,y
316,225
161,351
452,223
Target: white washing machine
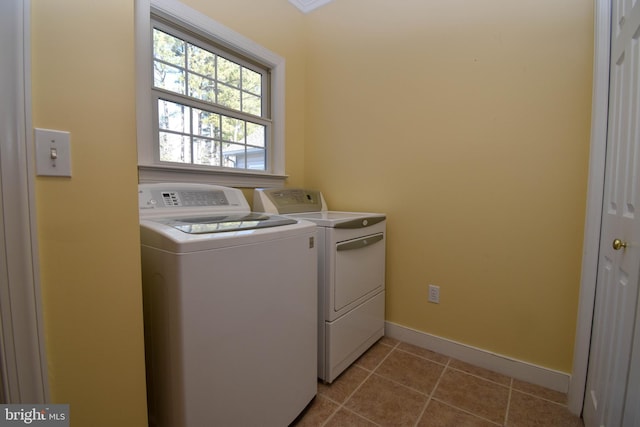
x,y
351,274
230,309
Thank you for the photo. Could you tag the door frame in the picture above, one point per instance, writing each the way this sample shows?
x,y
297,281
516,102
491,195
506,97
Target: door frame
x,y
23,363
593,220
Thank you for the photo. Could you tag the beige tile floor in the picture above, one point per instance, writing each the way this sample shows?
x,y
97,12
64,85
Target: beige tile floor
x,y
398,384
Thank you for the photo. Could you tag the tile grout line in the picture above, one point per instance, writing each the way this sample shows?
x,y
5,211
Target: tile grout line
x,y
466,411
430,396
357,414
425,357
506,415
447,364
483,378
341,405
537,396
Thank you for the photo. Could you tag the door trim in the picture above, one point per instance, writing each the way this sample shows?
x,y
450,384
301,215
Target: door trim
x,y
22,354
593,220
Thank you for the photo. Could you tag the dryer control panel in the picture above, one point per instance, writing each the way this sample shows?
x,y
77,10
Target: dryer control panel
x,y
288,200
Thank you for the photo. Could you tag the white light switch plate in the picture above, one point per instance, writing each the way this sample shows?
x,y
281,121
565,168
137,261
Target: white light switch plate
x,y
53,153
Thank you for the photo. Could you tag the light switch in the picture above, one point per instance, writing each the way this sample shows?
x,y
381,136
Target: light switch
x,y
53,152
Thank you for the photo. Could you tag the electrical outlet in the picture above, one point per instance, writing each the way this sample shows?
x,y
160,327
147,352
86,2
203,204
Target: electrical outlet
x,y
434,294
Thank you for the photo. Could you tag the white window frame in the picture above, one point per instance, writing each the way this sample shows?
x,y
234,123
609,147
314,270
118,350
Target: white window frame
x,y
152,170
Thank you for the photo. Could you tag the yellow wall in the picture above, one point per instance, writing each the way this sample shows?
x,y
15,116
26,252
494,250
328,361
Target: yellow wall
x,y
83,82
468,124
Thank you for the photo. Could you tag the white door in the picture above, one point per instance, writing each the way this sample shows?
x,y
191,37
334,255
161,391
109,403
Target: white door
x,y
611,399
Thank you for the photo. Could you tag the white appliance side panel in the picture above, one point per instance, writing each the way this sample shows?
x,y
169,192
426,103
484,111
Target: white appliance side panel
x,y
247,340
162,325
323,299
352,334
358,272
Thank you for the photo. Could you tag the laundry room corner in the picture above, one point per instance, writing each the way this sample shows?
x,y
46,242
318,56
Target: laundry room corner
x,y
468,125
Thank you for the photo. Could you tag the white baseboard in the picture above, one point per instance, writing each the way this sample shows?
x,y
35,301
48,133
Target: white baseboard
x,y
517,369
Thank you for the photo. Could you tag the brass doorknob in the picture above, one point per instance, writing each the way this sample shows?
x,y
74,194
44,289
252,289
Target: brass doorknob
x,y
619,244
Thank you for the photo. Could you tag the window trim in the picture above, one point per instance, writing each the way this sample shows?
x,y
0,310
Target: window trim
x,y
151,170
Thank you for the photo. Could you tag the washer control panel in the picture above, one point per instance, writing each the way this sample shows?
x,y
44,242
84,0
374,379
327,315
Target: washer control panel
x,y
194,198
174,198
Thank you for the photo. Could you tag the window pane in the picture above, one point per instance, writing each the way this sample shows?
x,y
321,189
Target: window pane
x,y
251,104
228,72
168,77
233,156
168,48
202,61
175,148
256,158
255,134
206,124
210,117
232,129
206,152
172,116
251,81
202,88
229,97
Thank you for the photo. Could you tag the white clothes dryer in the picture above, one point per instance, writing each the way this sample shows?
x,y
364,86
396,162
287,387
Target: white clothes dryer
x,y
351,274
230,309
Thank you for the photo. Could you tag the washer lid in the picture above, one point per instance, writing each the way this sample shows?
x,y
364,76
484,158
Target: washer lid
x,y
225,223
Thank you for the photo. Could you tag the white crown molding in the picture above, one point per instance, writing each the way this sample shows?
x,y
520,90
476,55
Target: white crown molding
x,y
307,6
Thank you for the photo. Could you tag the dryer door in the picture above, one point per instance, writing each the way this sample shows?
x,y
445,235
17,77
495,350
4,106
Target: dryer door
x,y
359,270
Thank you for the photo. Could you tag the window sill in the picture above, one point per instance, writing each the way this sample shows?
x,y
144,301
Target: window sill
x,y
246,179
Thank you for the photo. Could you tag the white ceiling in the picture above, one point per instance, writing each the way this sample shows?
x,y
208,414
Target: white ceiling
x,y
307,6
